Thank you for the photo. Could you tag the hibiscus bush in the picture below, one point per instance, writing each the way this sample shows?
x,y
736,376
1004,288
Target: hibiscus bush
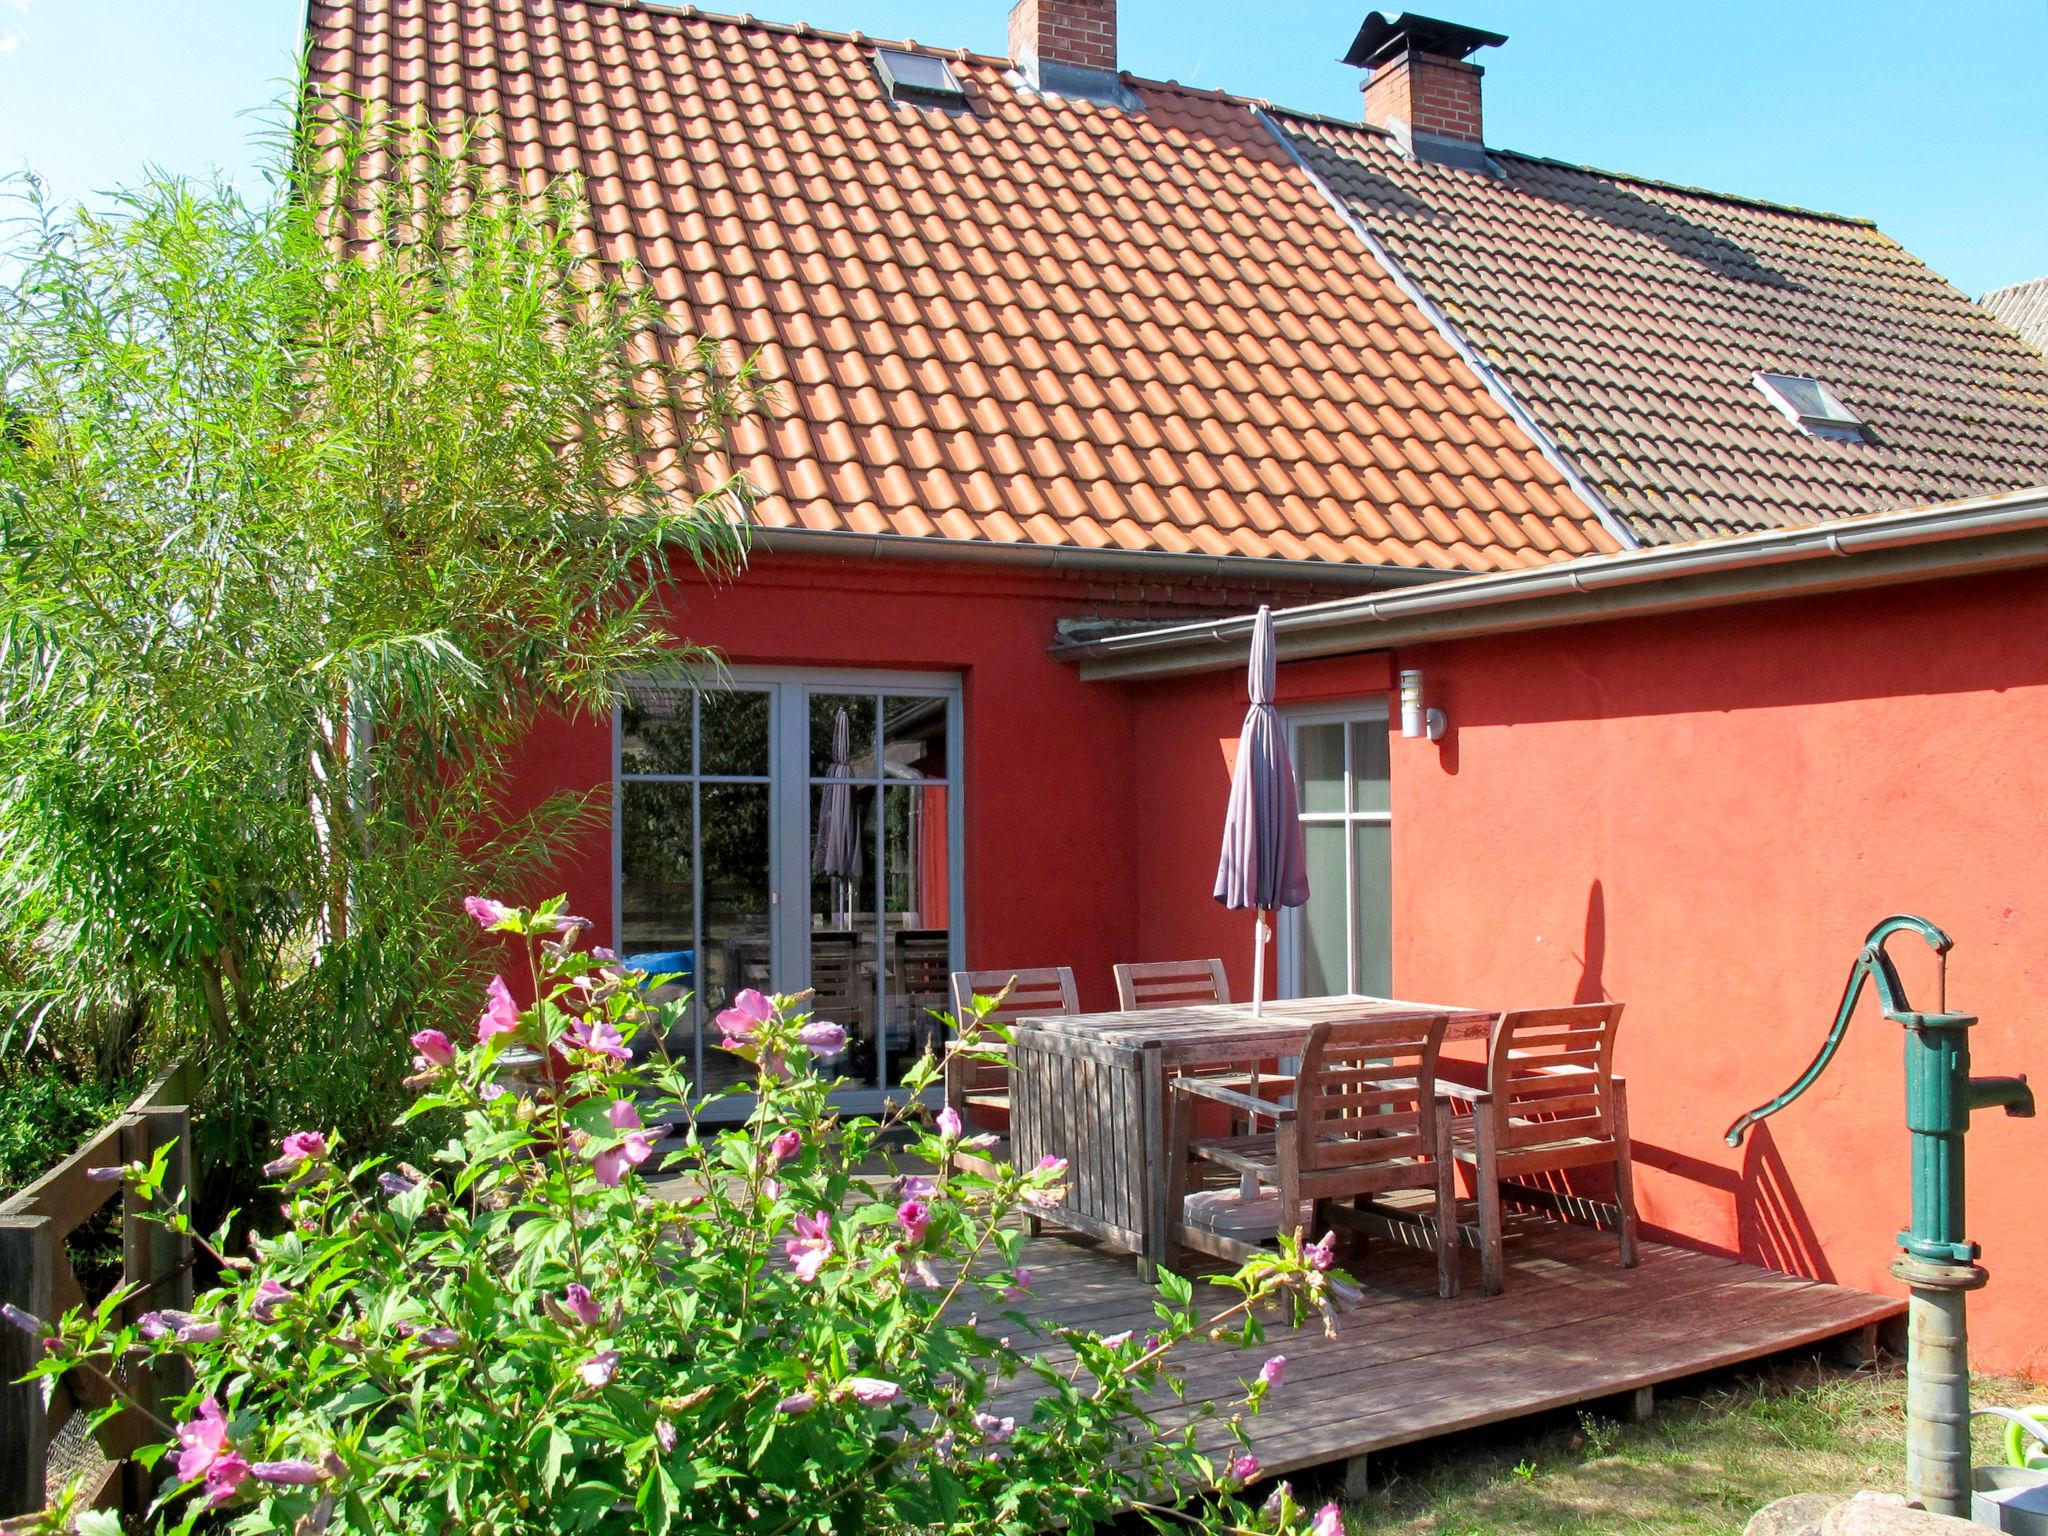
x,y
781,1333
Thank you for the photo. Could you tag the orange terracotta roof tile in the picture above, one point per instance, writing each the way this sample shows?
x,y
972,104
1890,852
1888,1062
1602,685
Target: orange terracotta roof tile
x,y
1038,319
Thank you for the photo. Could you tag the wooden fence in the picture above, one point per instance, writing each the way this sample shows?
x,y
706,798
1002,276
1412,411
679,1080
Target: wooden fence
x,y
42,1446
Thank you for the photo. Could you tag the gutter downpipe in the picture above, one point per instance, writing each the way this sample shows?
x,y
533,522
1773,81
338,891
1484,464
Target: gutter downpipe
x,y
1489,379
1177,649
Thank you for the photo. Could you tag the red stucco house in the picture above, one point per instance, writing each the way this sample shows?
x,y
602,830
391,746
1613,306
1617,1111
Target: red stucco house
x,y
1076,369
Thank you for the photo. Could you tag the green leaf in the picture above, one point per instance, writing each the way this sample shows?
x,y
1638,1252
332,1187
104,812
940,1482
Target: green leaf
x,y
658,1499
558,1448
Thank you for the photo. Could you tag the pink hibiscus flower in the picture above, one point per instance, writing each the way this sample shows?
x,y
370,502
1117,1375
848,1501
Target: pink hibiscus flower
x,y
500,1015
914,1216
825,1039
299,1147
749,1011
435,1049
597,1036
207,1455
488,913
811,1246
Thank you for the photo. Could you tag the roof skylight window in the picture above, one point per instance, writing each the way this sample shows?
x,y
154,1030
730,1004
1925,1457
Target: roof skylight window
x,y
919,79
1812,407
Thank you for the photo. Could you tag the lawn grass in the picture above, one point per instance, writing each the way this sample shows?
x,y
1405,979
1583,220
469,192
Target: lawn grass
x,y
1717,1449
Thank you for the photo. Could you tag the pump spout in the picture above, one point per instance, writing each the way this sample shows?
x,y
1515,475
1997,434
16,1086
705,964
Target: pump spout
x,y
2010,1094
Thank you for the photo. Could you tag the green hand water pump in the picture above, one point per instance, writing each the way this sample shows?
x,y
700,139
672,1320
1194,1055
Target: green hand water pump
x,y
1936,1261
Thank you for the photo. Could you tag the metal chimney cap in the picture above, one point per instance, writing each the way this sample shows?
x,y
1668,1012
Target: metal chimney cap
x,y
1386,34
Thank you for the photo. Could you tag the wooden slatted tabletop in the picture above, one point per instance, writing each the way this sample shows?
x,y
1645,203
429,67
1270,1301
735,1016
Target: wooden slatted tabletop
x,y
1213,1033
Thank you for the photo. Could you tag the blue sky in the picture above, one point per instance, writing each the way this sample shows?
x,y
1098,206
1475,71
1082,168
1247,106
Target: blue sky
x,y
1933,121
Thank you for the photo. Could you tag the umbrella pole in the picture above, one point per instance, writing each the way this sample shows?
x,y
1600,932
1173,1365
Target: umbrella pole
x,y
1248,1184
1261,934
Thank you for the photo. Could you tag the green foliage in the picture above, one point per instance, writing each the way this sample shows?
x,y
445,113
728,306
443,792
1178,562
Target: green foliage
x,y
312,508
533,1338
44,1115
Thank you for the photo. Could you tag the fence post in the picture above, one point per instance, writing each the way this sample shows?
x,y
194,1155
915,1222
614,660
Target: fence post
x,y
159,1262
27,1266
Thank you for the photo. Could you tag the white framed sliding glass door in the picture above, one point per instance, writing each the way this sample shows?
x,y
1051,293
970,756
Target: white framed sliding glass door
x,y
1342,940
747,853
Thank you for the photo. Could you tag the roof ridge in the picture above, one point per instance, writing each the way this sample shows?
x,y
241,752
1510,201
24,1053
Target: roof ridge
x,y
2040,282
1252,103
1743,199
907,45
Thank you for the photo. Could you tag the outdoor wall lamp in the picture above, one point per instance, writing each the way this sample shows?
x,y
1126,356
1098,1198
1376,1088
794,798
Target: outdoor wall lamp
x,y
1416,720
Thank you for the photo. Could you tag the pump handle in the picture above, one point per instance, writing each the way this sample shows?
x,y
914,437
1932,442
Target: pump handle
x,y
1872,965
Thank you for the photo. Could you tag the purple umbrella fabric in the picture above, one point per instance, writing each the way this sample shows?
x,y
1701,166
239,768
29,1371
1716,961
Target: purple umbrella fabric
x,y
1264,863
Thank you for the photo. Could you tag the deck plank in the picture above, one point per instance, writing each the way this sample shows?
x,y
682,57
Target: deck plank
x,y
1573,1327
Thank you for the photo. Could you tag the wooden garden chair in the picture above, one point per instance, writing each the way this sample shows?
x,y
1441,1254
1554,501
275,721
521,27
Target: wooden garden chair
x,y
1152,984
922,958
1170,984
1551,1104
840,990
976,1089
1366,1121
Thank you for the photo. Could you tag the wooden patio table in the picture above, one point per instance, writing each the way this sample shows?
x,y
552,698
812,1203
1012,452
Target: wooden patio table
x,y
1091,1088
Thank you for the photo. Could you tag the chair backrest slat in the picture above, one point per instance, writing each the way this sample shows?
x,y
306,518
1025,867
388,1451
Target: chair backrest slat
x,y
1366,1091
1033,994
1170,984
842,992
1551,1073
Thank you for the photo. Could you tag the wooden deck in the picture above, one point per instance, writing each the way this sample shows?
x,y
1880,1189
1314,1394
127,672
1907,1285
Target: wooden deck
x,y
1573,1327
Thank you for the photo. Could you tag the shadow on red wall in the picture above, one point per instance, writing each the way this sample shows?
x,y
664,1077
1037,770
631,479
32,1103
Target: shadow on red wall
x,y
1771,1224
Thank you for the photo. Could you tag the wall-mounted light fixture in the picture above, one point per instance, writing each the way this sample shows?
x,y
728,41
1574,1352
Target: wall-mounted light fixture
x,y
1416,719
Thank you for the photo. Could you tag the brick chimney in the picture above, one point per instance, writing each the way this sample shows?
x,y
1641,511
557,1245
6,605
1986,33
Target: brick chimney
x,y
1423,87
1053,42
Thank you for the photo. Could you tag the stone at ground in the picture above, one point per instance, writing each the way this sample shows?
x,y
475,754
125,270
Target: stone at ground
x,y
1888,1515
1799,1515
1868,1514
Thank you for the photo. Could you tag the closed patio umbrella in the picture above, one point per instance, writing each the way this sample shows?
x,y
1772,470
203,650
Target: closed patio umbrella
x,y
837,851
1265,862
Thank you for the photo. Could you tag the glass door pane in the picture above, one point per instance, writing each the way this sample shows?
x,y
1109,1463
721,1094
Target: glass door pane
x,y
1319,764
843,952
696,838
1342,940
793,835
738,946
881,938
1372,907
919,945
1325,967
658,892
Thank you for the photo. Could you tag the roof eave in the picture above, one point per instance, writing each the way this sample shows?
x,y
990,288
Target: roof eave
x,y
1971,537
1243,568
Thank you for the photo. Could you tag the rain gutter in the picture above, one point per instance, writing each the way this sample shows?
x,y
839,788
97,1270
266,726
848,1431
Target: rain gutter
x,y
1489,378
1162,563
1991,533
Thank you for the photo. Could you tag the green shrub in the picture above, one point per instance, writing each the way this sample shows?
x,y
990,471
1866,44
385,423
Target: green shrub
x,y
44,1116
533,1338
300,537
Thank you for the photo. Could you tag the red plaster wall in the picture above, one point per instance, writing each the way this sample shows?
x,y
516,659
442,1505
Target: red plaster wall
x,y
1702,816
1184,740
1050,796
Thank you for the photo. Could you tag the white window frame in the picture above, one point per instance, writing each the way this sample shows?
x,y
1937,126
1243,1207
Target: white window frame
x,y
1838,424
789,690
1353,712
